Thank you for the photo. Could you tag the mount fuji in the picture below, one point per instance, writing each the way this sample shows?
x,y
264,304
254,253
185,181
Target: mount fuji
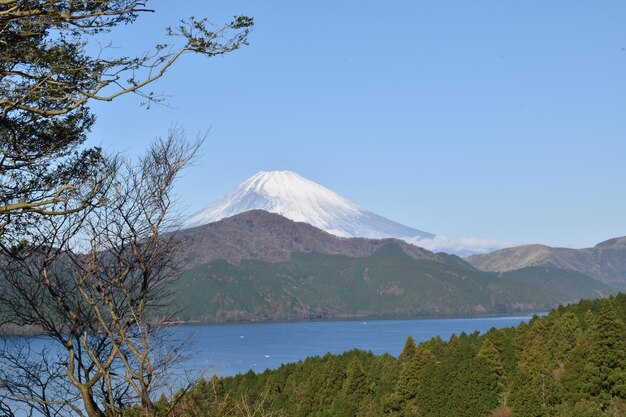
x,y
299,199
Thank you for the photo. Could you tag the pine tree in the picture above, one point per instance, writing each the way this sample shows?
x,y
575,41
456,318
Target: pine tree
x,y
355,387
534,387
408,351
409,379
489,382
564,335
332,381
427,392
525,398
604,372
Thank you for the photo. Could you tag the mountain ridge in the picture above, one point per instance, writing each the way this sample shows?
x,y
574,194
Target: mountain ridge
x,y
299,199
260,266
261,235
387,283
606,261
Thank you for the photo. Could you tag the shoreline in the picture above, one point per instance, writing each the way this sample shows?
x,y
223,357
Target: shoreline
x,y
30,331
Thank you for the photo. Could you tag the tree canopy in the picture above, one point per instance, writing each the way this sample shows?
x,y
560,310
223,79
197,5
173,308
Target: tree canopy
x,y
557,365
85,253
50,70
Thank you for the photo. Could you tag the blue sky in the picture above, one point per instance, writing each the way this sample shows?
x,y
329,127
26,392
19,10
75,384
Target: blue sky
x,y
491,119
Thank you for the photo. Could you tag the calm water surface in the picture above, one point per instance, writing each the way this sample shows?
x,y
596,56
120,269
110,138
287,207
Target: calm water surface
x,y
229,349
234,348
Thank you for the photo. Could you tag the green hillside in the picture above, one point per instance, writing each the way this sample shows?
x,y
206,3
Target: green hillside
x,y
570,363
386,283
561,283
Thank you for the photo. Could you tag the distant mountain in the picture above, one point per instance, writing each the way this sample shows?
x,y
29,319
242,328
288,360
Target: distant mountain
x,y
262,266
606,261
301,200
387,283
259,235
560,283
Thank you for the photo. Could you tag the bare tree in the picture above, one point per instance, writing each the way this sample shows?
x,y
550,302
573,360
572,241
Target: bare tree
x,y
50,69
84,256
95,282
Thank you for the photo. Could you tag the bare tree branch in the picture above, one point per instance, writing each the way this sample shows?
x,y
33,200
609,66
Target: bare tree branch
x,y
97,285
48,76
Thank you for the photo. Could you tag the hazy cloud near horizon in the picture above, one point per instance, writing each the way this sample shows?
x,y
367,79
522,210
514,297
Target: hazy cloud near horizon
x,y
461,245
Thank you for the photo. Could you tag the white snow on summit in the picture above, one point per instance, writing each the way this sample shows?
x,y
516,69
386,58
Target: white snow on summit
x,y
299,199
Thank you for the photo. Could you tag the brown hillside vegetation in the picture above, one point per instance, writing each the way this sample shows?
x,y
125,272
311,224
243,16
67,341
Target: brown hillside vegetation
x,y
605,262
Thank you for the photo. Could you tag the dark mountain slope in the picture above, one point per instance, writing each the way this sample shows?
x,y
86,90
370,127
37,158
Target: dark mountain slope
x,y
269,237
386,283
262,266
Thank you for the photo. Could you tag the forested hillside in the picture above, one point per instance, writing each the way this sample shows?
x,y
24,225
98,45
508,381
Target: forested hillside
x,y
571,362
259,266
387,283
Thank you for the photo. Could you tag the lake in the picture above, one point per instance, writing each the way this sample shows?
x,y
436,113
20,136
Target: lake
x,y
235,348
228,349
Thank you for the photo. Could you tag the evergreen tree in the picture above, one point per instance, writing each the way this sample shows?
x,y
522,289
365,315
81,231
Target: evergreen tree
x,y
534,387
367,408
50,71
488,358
409,379
333,377
604,372
408,351
355,387
525,398
504,373
489,379
564,335
387,371
391,404
428,394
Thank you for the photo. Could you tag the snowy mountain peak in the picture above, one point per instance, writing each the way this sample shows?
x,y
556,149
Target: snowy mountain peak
x,y
299,199
299,193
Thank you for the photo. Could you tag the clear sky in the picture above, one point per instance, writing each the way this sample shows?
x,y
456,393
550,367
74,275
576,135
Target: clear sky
x,y
490,119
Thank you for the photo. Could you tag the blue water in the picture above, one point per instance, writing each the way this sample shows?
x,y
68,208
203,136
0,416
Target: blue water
x,y
229,349
236,348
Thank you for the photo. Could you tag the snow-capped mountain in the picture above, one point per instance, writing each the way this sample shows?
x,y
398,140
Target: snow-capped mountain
x,y
299,199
